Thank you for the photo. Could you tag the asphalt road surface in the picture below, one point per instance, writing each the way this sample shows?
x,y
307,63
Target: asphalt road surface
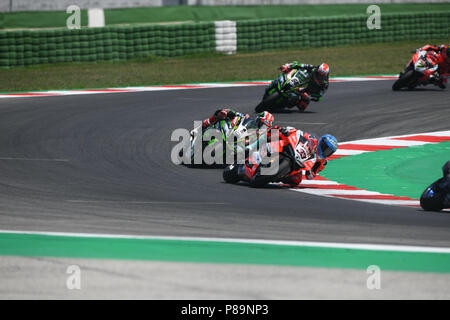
x,y
101,164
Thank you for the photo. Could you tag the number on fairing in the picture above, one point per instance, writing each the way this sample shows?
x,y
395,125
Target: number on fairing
x,y
301,154
294,82
240,132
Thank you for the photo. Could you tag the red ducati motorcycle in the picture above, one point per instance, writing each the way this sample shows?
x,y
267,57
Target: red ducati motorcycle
x,y
418,71
290,152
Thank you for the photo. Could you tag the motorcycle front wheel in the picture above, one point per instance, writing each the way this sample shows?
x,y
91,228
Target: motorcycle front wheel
x,y
230,174
284,167
268,104
405,80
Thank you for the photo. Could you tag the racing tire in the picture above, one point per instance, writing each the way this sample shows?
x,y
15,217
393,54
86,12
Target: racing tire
x,y
284,168
230,174
267,104
404,81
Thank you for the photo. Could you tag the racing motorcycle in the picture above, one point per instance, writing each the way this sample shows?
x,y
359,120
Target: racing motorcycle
x,y
284,91
235,136
292,154
437,196
422,65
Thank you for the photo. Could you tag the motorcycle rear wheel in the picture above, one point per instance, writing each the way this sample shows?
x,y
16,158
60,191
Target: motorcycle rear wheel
x,y
268,103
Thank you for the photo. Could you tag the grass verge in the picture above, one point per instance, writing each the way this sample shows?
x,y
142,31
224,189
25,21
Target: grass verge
x,y
381,58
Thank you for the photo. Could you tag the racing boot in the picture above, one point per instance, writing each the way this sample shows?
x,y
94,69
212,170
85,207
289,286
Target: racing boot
x,y
302,105
304,102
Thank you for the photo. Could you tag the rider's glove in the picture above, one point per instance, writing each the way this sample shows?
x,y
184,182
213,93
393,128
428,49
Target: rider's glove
x,y
319,166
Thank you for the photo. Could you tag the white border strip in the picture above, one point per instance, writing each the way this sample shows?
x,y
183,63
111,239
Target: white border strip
x,y
356,246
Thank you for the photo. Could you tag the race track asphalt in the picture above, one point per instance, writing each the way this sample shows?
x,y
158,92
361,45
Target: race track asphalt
x,y
101,164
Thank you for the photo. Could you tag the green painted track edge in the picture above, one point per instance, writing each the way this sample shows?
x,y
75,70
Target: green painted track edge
x,y
32,245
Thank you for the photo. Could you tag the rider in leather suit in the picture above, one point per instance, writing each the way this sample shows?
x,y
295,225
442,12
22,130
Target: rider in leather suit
x,y
317,86
323,148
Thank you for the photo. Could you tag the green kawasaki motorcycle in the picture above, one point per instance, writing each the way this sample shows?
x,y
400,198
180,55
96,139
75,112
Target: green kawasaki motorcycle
x,y
237,136
284,91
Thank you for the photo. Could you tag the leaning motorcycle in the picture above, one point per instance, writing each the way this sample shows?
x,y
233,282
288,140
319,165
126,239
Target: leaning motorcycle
x,y
234,137
290,153
284,91
422,65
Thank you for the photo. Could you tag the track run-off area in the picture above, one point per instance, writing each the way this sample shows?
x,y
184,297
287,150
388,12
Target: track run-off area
x,y
87,179
390,171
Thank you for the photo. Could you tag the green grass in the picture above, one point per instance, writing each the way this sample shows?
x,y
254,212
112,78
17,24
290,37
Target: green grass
x,y
52,19
385,58
209,13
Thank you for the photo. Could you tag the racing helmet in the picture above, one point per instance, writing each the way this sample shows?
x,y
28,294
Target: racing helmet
x,y
326,146
322,73
264,118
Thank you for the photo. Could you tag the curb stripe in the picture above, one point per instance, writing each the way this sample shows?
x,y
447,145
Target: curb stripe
x,y
337,156
392,202
315,181
333,193
176,87
348,152
367,147
380,196
425,138
332,186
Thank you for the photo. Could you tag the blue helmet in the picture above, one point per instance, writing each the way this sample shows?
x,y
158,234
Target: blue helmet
x,y
326,146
